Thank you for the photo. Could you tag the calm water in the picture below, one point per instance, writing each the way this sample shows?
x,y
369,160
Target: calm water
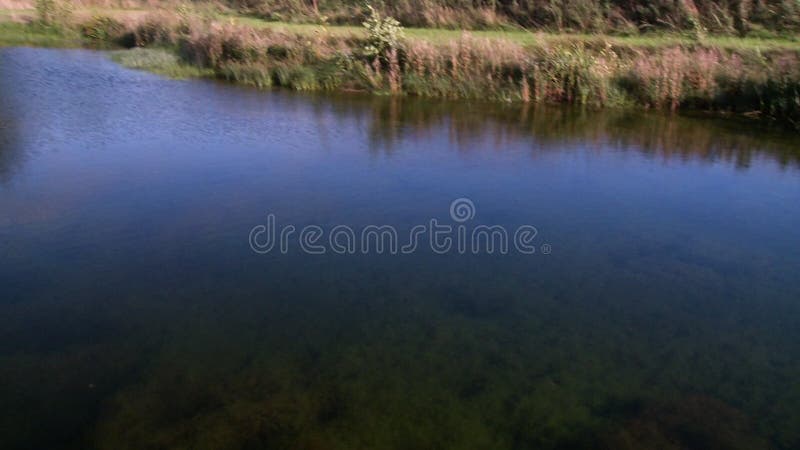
x,y
134,314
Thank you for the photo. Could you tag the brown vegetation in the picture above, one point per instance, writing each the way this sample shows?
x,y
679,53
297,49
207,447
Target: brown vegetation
x,y
629,16
587,73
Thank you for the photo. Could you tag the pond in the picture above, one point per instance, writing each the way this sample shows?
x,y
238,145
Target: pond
x,y
189,264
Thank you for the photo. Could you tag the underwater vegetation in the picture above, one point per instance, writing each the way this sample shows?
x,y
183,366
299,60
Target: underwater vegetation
x,y
428,365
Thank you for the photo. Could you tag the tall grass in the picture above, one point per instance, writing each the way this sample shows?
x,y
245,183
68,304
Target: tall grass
x,y
746,82
678,77
621,16
759,18
53,13
590,72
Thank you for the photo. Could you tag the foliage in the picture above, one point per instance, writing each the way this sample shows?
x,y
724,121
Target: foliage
x,y
103,29
383,33
710,74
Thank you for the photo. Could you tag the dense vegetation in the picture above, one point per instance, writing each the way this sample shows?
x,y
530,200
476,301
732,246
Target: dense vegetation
x,y
593,72
621,16
697,72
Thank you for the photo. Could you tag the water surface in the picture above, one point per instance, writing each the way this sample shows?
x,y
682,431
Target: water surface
x,y
134,314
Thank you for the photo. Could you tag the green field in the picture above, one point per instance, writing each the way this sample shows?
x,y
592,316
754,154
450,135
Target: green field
x,y
526,37
521,36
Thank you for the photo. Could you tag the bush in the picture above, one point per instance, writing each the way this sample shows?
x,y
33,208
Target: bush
x,y
157,29
103,29
383,34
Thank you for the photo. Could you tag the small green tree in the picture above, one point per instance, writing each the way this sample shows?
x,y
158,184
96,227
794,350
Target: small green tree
x,y
383,34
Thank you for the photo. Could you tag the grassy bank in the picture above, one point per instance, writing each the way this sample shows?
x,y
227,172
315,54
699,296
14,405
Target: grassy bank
x,y
750,76
13,34
652,39
761,18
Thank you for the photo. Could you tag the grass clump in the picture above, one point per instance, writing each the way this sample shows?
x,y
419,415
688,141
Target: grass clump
x,y
247,74
160,61
103,30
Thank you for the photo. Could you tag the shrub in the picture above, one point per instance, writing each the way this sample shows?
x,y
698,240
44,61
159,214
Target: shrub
x,y
103,29
157,29
221,44
383,34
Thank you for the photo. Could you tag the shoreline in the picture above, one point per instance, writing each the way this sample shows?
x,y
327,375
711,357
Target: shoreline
x,y
734,80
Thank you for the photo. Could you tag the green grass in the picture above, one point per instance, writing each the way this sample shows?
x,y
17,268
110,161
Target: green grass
x,y
520,36
160,61
526,37
14,34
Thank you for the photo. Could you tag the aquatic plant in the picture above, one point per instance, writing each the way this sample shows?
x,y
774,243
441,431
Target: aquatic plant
x,y
249,74
160,61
